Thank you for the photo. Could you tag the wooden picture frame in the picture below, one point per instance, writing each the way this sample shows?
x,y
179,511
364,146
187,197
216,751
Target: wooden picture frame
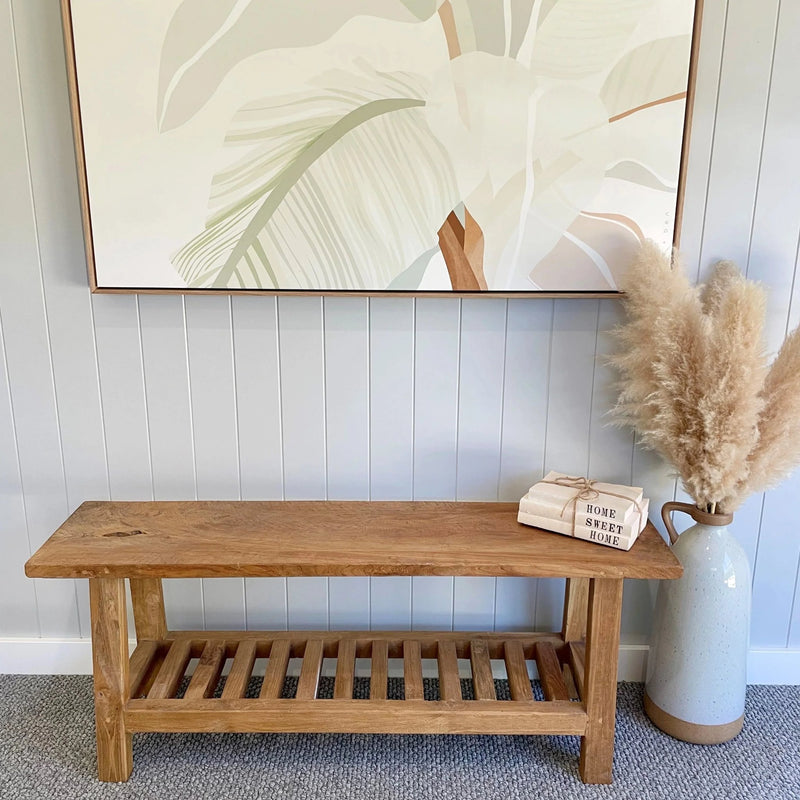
x,y
347,182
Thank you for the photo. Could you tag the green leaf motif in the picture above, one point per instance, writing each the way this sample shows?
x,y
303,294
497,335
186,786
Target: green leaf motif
x,y
422,9
339,191
206,39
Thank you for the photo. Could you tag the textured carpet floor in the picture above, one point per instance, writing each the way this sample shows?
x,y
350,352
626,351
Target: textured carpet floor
x,y
47,751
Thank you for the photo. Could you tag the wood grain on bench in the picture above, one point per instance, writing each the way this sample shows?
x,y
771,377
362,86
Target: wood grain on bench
x,y
262,539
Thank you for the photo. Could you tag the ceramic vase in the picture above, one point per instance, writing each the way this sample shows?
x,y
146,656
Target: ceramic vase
x,y
697,666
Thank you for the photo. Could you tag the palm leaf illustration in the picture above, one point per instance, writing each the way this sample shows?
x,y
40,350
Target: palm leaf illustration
x,y
206,39
334,189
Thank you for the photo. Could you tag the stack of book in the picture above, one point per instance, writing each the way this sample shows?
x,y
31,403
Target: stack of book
x,y
606,513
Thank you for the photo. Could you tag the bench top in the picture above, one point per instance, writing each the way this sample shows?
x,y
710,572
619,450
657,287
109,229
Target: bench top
x,y
190,539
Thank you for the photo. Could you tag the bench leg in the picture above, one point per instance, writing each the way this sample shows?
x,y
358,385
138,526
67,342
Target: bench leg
x,y
576,605
600,681
111,682
149,617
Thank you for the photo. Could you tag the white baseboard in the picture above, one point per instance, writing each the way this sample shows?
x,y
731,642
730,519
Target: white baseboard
x,y
74,657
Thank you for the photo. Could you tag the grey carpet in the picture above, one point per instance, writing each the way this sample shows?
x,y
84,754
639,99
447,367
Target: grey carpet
x,y
47,751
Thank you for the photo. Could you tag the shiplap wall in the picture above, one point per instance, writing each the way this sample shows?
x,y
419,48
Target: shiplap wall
x,y
172,397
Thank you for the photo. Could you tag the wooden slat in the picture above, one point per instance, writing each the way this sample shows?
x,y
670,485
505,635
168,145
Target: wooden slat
x,y
141,661
147,599
356,716
550,675
206,674
428,640
569,681
182,539
518,681
152,673
241,670
577,662
309,672
449,682
276,669
380,670
345,669
482,680
171,672
413,688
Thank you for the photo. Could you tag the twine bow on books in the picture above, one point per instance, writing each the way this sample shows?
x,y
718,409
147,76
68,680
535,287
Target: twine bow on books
x,y
584,490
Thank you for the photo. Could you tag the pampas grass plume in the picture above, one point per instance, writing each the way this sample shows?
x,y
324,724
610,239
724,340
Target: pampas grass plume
x,y
694,382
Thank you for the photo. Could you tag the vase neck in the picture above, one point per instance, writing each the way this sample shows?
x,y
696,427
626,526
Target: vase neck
x,y
713,520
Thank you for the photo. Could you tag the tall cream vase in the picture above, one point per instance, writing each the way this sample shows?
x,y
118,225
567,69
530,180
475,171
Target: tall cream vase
x,y
697,666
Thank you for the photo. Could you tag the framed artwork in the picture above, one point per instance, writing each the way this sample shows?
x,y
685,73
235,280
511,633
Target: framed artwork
x,y
371,146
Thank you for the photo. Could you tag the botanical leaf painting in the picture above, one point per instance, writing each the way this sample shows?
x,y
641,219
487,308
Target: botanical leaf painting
x,y
368,145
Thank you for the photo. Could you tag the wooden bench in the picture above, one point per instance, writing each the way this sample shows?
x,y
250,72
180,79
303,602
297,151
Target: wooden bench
x,y
144,542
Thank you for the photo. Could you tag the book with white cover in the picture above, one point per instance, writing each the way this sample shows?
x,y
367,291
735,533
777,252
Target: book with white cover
x,y
613,501
593,529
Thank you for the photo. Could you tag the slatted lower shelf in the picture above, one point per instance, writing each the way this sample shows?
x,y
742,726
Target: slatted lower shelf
x,y
165,698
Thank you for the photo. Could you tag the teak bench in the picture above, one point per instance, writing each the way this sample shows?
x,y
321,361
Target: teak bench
x,y
144,542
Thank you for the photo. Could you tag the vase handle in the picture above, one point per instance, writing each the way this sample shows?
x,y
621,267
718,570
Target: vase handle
x,y
666,515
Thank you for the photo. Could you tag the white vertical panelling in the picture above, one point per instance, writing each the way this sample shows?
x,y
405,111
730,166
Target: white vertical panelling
x,y
527,366
170,425
167,391
436,380
258,397
793,640
739,129
774,579
213,396
119,359
27,345
391,394
209,336
302,361
57,212
363,400
432,603
776,221
302,386
474,603
480,415
390,603
770,522
17,593
57,216
569,409
572,368
258,411
610,450
307,603
121,377
436,367
349,603
515,604
347,397
347,429
480,404
391,425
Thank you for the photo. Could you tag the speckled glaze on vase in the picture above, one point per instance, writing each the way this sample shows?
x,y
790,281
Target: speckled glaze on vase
x,y
697,666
